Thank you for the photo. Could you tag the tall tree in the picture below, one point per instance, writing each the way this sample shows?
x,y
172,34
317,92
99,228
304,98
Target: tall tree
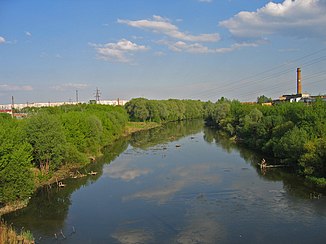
x,y
46,135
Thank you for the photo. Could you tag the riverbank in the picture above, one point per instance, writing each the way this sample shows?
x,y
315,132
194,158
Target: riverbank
x,y
8,234
66,171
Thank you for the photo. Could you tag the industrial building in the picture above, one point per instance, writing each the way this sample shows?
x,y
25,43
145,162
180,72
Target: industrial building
x,y
299,96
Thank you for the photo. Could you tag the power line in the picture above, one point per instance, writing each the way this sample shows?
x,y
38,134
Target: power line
x,y
253,79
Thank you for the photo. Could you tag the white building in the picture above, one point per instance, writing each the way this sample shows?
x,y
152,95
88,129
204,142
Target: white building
x,y
55,104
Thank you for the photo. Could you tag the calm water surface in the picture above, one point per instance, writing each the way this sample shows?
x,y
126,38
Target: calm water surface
x,y
183,183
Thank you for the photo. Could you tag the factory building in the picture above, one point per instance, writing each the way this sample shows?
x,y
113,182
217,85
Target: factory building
x,y
299,96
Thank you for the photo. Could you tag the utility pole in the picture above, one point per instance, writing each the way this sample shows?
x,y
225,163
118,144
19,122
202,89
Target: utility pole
x,y
12,106
76,96
97,95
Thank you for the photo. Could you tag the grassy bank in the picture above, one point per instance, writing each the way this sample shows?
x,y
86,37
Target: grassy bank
x,y
133,127
9,236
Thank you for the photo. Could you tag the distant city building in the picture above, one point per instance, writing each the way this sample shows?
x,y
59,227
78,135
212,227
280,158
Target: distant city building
x,y
117,102
6,108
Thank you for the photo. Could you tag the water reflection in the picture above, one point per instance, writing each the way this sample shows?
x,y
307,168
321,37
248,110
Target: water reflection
x,y
294,185
177,179
125,171
130,236
165,134
49,206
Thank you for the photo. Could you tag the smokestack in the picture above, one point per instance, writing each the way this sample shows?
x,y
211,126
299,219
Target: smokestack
x,y
299,86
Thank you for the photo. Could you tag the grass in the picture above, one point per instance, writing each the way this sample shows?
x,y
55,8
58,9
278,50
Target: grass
x,y
9,236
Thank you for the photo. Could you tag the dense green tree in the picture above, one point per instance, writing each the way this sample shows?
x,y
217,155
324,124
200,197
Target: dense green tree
x,y
46,135
50,137
141,109
16,178
313,161
293,132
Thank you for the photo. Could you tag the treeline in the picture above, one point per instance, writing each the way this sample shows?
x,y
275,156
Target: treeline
x,y
34,147
141,109
292,132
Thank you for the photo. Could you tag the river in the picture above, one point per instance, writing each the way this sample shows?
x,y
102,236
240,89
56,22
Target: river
x,y
182,183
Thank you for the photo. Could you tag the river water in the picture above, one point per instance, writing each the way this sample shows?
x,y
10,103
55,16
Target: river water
x,y
182,183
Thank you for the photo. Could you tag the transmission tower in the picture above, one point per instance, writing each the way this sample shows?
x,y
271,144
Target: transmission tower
x,y
97,95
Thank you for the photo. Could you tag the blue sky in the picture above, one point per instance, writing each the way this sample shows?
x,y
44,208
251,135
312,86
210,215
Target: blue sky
x,y
186,49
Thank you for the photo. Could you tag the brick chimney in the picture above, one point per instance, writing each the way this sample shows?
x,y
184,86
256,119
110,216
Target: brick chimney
x,y
299,86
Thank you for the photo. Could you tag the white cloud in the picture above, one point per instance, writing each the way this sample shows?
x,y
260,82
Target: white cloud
x,y
70,86
298,18
2,40
181,46
190,48
164,26
27,33
237,46
119,51
205,1
6,87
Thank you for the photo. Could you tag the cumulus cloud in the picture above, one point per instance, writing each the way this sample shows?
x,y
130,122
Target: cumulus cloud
x,y
70,86
2,40
164,26
297,18
119,52
6,87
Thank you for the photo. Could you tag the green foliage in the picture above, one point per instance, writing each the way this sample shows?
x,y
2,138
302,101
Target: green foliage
x,y
313,161
16,178
293,132
51,137
141,109
263,99
46,135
